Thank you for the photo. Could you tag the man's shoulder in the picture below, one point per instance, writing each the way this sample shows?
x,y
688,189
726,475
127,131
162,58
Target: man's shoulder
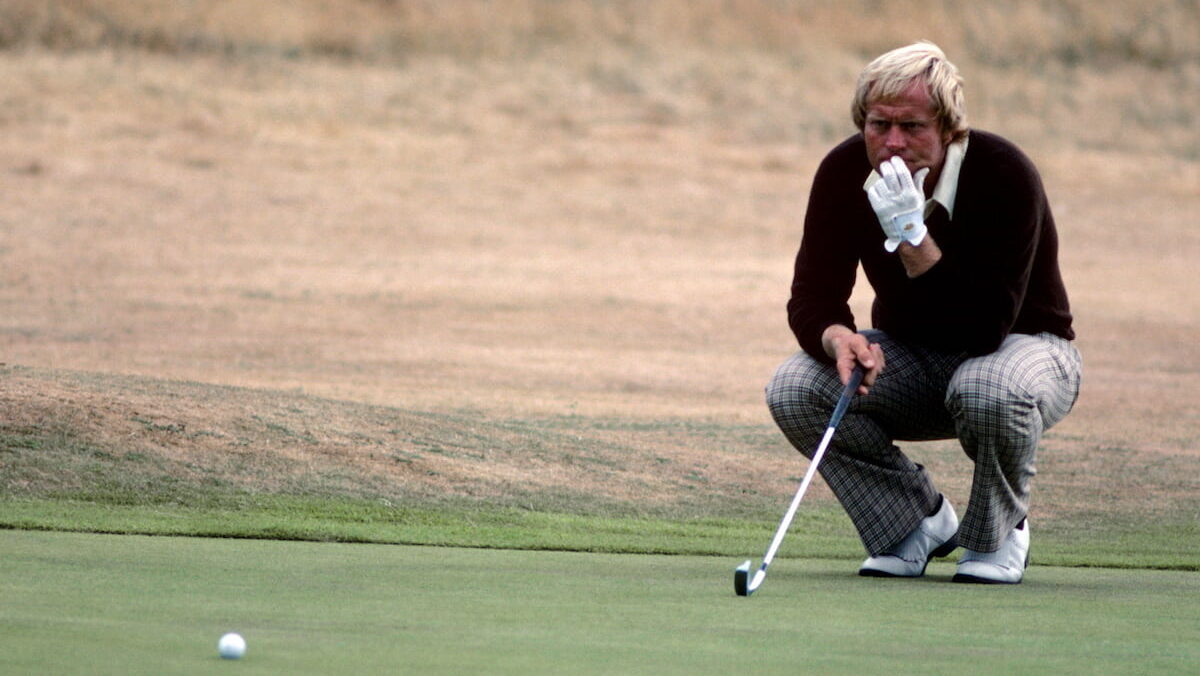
x,y
852,147
849,156
994,159
993,147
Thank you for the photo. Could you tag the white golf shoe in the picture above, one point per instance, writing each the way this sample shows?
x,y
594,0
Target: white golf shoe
x,y
1003,566
934,536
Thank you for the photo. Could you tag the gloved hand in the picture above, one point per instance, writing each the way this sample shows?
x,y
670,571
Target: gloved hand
x,y
899,202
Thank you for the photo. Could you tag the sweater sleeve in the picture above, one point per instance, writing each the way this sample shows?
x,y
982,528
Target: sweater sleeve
x,y
826,265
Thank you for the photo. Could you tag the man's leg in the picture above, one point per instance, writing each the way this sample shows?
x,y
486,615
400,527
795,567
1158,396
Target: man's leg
x,y
885,494
1001,403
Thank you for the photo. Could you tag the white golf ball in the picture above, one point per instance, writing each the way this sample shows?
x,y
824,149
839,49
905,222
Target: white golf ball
x,y
231,646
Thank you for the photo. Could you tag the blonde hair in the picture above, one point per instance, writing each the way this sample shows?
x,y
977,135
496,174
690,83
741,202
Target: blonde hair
x,y
890,74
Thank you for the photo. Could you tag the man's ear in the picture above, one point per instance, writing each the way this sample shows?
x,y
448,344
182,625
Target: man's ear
x,y
947,137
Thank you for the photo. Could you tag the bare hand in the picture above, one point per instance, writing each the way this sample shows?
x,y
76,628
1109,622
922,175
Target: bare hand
x,y
849,349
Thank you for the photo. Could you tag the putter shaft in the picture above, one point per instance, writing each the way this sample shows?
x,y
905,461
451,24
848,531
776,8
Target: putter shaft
x,y
742,584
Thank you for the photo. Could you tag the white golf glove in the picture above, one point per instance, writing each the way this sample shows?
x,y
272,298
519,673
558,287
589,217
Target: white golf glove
x,y
899,201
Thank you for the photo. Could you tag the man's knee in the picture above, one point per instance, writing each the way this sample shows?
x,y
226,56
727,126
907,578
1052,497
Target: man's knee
x,y
794,397
784,392
787,389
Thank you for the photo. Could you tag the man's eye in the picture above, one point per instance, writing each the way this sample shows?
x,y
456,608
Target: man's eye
x,y
912,126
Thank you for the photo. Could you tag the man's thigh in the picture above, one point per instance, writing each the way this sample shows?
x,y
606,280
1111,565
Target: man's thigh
x,y
1039,373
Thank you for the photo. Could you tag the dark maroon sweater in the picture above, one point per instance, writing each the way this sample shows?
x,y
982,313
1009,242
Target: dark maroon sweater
x,y
998,273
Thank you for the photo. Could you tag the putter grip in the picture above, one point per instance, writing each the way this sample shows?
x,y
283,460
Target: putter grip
x,y
856,377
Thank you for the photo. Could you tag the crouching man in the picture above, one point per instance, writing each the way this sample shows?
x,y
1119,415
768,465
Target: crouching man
x,y
971,337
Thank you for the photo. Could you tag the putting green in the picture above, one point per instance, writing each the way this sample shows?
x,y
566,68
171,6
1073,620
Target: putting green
x,y
81,603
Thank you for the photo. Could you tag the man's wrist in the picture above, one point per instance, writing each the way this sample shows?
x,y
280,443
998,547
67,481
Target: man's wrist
x,y
921,257
830,335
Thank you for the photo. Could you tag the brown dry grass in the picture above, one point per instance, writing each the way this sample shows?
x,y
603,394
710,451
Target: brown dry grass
x,y
75,434
546,211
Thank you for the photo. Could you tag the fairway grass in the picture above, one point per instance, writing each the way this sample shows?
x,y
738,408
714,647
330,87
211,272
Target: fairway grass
x,y
819,531
88,603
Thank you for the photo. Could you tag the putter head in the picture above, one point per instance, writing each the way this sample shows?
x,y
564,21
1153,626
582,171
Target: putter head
x,y
741,579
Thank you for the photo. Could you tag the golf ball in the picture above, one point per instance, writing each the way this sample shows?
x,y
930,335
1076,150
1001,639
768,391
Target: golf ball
x,y
231,646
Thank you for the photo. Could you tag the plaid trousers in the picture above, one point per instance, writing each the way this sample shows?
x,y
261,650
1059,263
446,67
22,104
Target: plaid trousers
x,y
996,405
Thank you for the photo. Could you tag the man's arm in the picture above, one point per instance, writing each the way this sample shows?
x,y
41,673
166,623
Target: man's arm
x,y
827,262
919,259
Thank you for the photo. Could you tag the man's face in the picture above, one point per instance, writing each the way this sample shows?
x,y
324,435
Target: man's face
x,y
906,127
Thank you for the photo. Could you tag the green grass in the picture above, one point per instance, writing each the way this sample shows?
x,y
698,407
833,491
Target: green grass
x,y
826,531
319,573
87,603
819,530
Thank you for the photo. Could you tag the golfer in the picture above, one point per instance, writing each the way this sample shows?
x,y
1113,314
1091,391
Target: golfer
x,y
971,332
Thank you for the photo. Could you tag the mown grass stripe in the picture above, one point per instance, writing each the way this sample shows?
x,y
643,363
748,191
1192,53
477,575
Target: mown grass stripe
x,y
820,532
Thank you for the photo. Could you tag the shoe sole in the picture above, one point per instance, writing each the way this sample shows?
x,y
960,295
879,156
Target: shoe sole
x,y
943,549
975,579
972,579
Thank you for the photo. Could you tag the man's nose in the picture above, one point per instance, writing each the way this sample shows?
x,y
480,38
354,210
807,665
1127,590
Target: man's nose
x,y
895,137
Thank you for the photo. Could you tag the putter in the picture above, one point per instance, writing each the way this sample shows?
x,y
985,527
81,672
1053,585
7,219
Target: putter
x,y
742,584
